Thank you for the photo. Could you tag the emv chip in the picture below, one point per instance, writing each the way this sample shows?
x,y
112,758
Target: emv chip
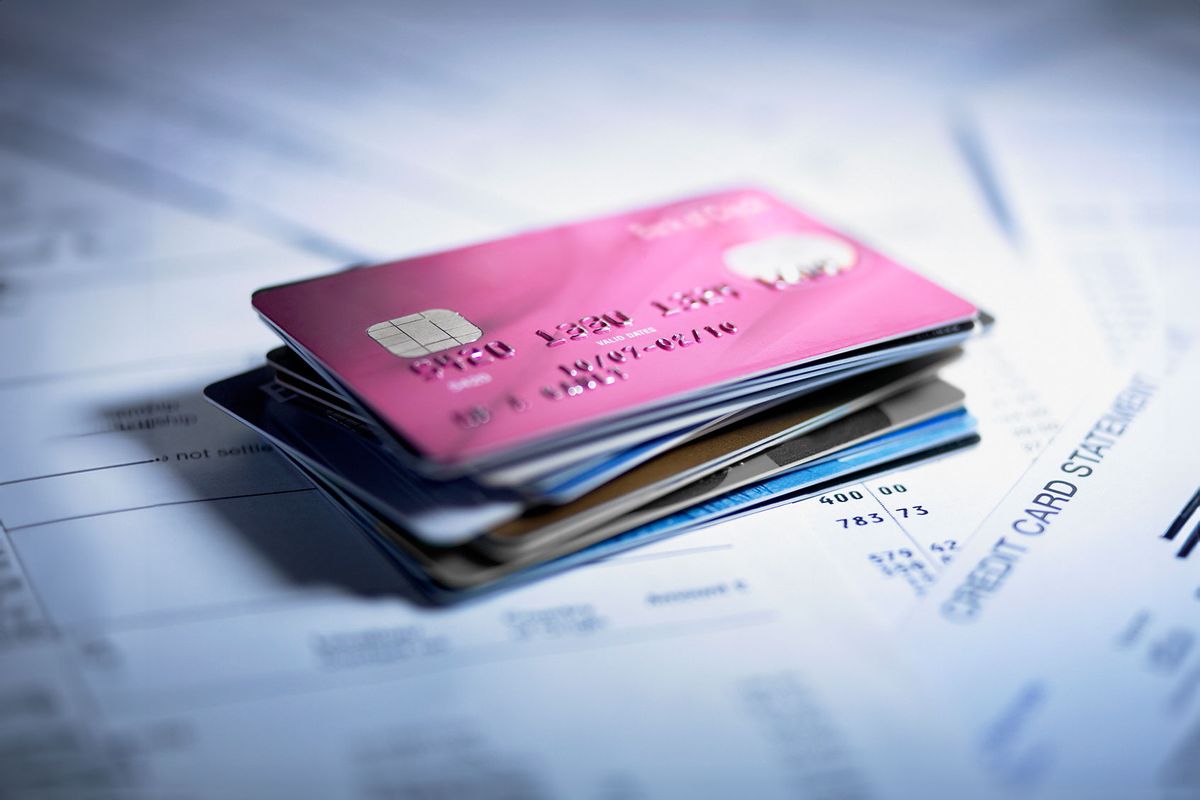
x,y
425,332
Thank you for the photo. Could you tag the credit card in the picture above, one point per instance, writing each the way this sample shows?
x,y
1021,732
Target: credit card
x,y
473,353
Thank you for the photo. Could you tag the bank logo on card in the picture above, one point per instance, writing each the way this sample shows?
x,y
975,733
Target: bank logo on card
x,y
791,259
424,333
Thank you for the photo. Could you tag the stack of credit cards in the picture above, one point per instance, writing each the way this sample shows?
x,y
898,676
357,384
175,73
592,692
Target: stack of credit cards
x,y
500,411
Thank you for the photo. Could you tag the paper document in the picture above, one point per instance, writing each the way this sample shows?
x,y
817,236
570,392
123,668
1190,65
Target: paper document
x,y
1065,635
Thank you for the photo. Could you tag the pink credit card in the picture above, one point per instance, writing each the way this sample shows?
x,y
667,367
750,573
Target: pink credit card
x,y
474,352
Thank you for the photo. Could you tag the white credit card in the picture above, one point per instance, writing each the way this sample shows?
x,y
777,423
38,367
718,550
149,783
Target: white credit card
x,y
1067,632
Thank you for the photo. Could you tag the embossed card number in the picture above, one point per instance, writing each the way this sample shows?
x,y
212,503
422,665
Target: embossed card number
x,y
584,326
698,297
435,368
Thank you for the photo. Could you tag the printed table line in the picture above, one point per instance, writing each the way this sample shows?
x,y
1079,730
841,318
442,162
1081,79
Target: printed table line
x,y
14,528
77,471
